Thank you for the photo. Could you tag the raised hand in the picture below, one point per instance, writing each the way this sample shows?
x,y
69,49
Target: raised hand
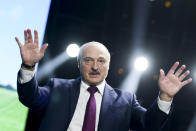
x,y
30,52
170,84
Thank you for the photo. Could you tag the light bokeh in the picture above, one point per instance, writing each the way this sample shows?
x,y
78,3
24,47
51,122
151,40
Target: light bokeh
x,y
72,50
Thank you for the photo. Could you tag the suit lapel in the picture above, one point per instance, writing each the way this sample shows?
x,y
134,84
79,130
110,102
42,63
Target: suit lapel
x,y
74,95
109,97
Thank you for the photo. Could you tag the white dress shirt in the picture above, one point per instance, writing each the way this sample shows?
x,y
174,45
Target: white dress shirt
x,y
78,117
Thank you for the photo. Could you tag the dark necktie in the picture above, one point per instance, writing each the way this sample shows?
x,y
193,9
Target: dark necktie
x,y
90,114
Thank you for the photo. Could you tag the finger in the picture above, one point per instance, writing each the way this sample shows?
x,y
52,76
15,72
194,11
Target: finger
x,y
173,68
180,70
184,75
30,39
19,43
36,39
43,48
186,82
25,36
162,74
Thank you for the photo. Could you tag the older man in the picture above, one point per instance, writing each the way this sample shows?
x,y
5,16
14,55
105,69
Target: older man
x,y
88,103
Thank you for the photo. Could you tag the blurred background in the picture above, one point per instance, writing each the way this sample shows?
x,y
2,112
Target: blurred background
x,y
159,32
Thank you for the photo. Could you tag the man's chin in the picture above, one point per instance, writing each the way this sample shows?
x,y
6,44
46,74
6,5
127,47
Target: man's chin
x,y
94,82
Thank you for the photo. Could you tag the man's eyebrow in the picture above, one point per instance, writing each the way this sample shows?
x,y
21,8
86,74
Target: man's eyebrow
x,y
94,58
101,57
87,57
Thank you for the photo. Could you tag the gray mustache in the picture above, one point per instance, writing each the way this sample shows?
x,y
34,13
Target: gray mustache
x,y
94,73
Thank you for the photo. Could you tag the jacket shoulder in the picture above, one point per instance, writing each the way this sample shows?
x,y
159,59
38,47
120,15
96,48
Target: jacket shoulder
x,y
121,94
65,83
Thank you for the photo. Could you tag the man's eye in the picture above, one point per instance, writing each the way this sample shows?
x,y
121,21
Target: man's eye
x,y
101,61
87,60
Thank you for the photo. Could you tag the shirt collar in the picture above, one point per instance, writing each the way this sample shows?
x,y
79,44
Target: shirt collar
x,y
100,86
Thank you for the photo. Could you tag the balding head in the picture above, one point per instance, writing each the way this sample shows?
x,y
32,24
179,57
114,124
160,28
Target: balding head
x,y
95,44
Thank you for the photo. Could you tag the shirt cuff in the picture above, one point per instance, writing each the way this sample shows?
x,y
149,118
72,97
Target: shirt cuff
x,y
164,105
25,76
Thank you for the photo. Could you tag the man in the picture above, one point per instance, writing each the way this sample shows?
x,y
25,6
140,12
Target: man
x,y
88,103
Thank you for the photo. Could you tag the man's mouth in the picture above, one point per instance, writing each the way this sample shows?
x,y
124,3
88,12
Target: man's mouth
x,y
94,74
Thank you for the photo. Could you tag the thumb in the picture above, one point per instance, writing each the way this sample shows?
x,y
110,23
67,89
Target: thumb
x,y
43,48
162,74
18,42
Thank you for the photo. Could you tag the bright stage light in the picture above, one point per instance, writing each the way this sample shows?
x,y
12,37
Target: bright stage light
x,y
141,64
72,50
47,68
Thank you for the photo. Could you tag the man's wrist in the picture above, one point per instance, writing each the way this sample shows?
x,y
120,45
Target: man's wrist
x,y
27,67
165,97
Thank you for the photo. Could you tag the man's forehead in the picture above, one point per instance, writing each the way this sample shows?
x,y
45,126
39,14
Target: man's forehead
x,y
94,46
92,57
94,50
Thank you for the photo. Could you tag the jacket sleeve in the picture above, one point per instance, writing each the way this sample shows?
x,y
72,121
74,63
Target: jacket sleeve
x,y
152,119
33,96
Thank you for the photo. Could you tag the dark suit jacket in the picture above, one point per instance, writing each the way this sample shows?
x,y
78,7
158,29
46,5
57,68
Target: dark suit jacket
x,y
57,101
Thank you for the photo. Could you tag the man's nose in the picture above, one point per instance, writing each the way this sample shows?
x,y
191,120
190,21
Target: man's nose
x,y
95,66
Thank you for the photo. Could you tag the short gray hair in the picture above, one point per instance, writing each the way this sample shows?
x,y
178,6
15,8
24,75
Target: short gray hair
x,y
84,46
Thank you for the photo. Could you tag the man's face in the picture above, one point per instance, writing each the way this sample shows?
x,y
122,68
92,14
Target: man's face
x,y
94,64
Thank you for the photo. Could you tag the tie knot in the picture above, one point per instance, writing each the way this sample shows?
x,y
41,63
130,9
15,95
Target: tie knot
x,y
92,90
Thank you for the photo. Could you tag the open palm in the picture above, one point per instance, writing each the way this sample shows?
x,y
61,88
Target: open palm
x,y
170,84
30,52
